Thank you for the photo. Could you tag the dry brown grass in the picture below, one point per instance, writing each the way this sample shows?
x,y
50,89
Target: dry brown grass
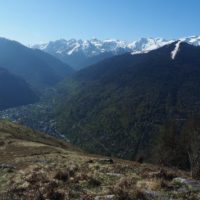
x,y
49,169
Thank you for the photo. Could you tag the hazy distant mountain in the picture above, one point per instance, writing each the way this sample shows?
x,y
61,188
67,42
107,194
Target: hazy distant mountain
x,y
79,53
14,91
118,105
36,67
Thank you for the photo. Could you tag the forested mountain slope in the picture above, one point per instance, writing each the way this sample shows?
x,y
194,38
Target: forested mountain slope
x,y
119,105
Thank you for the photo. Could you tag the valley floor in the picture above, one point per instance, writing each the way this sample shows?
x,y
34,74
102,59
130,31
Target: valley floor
x,y
34,166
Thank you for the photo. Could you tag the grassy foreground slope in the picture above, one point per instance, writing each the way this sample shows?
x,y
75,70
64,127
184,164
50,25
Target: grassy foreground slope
x,y
36,166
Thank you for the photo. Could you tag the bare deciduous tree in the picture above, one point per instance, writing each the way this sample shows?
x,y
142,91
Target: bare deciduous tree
x,y
193,129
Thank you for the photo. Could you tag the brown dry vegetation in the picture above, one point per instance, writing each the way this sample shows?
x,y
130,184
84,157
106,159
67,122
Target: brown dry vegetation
x,y
34,166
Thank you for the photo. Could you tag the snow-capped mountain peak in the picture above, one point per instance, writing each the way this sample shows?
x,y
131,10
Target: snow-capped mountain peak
x,y
95,47
145,45
87,47
194,40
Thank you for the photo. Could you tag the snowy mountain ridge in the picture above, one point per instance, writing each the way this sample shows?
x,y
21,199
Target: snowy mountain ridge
x,y
95,47
81,53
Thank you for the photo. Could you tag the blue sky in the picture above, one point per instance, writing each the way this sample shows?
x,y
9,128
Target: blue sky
x,y
37,21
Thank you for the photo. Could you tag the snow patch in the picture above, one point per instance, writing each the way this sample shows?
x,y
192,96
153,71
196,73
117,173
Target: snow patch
x,y
175,51
74,49
139,52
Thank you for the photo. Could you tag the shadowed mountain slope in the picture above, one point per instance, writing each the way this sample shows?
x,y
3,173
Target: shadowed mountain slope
x,y
14,91
36,67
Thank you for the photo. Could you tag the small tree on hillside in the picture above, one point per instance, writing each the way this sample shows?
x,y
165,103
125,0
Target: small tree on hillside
x,y
171,147
193,135
166,145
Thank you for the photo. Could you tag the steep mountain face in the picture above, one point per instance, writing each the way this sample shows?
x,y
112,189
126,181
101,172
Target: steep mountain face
x,y
79,53
36,67
14,91
120,104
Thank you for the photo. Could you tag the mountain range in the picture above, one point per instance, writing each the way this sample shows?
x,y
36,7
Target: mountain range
x,y
82,53
135,106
